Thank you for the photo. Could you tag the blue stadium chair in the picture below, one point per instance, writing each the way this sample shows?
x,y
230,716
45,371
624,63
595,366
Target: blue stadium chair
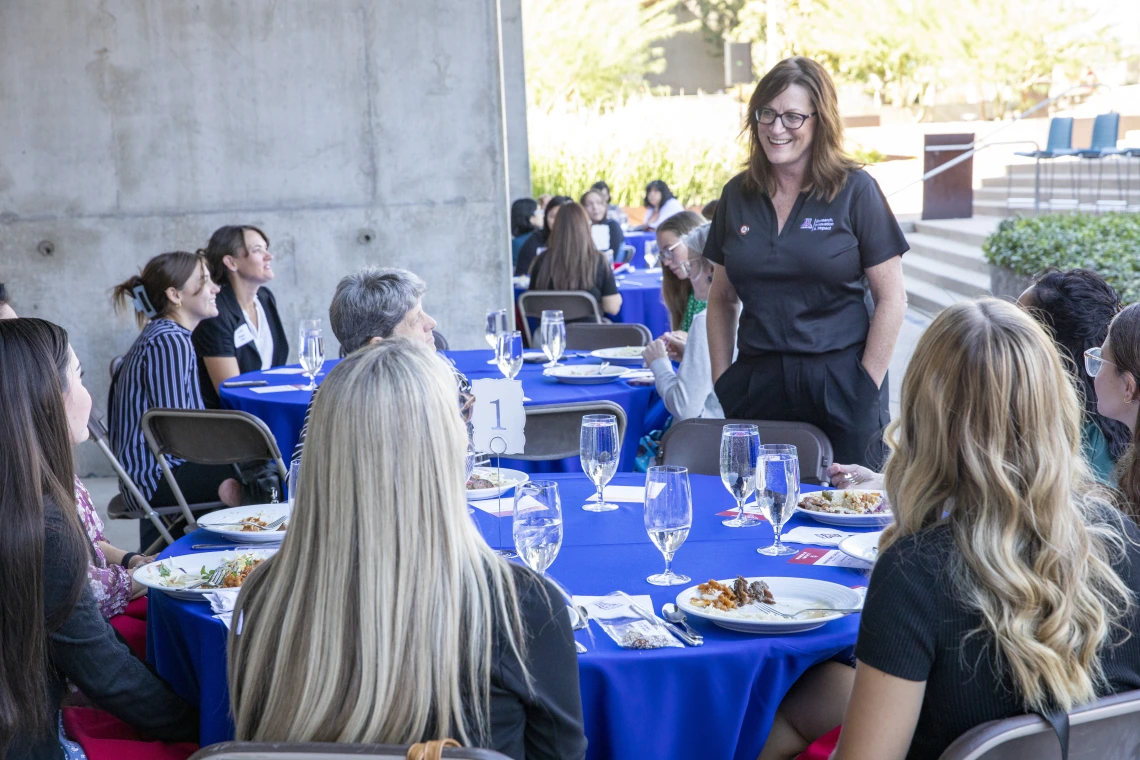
x,y
1060,143
1106,128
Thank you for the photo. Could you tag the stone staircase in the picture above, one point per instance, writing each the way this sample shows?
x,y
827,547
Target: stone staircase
x,y
945,262
1110,184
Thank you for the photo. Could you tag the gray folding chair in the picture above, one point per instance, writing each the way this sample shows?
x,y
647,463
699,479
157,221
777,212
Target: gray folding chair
x,y
574,305
207,436
1108,727
695,444
582,336
555,431
328,751
120,508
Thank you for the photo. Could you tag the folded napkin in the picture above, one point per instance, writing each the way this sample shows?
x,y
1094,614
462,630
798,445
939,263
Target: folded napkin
x,y
631,494
284,371
816,536
612,607
277,388
222,602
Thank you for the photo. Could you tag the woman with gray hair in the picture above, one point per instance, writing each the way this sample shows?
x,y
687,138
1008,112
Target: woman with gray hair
x,y
418,631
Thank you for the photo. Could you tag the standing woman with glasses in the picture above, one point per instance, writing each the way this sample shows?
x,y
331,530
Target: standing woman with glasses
x,y
803,235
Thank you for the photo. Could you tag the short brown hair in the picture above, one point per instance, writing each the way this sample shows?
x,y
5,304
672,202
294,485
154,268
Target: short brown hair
x,y
827,170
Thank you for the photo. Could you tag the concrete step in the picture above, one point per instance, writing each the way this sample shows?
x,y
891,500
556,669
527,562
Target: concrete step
x,y
1021,184
1000,209
927,298
969,231
1066,167
966,282
947,251
1085,194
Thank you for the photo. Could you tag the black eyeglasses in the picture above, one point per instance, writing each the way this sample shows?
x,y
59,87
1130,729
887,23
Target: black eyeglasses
x,y
791,119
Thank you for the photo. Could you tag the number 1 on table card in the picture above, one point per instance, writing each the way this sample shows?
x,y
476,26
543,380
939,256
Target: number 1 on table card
x,y
498,416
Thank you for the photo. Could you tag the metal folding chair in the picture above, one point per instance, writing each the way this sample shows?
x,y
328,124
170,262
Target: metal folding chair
x,y
207,436
574,305
328,751
1060,143
582,336
695,443
556,432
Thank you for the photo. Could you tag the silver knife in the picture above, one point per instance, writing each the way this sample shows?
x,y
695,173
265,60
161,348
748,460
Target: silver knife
x,y
690,640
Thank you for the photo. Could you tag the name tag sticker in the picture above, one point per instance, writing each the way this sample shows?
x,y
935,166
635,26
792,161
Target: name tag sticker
x,y
242,335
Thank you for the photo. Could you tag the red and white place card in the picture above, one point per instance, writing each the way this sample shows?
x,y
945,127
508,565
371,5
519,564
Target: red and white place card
x,y
827,558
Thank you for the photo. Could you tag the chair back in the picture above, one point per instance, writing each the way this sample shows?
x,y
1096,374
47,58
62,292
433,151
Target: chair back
x,y
328,751
1108,727
583,336
557,429
627,253
1060,134
1106,129
574,305
440,341
695,444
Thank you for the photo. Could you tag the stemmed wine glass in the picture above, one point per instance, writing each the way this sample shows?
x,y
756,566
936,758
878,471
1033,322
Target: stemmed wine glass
x,y
538,523
496,326
780,476
739,453
600,450
652,254
509,353
553,332
311,348
668,516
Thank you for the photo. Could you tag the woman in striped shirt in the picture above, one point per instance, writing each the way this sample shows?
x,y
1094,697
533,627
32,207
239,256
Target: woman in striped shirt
x,y
171,295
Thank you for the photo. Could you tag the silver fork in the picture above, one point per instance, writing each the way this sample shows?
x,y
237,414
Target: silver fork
x,y
794,615
271,526
214,579
601,368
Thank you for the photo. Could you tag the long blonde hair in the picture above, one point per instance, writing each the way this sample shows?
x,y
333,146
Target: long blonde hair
x,y
375,620
989,434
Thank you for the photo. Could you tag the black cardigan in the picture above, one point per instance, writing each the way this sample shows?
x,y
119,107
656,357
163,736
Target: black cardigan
x,y
86,651
215,337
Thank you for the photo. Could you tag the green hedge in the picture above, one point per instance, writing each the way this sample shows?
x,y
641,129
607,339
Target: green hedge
x,y
1108,244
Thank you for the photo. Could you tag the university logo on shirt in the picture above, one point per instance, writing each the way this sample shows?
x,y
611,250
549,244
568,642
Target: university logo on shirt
x,y
817,225
807,223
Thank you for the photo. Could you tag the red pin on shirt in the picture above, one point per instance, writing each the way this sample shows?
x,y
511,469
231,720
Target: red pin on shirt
x,y
744,229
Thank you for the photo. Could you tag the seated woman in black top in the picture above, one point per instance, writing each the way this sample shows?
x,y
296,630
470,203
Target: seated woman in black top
x,y
247,334
605,232
439,637
51,627
1007,583
538,240
573,263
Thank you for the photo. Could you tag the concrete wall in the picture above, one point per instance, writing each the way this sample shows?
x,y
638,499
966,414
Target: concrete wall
x,y
514,91
352,132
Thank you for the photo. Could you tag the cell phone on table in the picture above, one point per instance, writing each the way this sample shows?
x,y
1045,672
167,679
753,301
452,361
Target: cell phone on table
x,y
244,383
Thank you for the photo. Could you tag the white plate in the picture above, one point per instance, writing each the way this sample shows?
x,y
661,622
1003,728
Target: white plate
x,y
268,512
792,595
149,576
630,356
879,519
865,546
509,479
584,374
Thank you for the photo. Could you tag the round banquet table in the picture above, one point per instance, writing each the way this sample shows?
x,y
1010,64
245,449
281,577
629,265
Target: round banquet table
x,y
714,701
639,241
640,301
284,412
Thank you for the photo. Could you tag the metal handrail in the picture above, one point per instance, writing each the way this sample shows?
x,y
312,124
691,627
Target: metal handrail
x,y
972,148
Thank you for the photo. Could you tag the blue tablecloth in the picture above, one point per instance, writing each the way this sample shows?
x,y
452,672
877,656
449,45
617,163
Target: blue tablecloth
x,y
284,412
639,240
640,301
715,701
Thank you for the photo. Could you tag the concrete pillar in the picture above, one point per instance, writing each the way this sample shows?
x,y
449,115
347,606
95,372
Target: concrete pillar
x,y
352,132
514,91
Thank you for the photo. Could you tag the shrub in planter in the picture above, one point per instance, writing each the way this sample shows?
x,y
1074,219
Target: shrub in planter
x,y
1108,244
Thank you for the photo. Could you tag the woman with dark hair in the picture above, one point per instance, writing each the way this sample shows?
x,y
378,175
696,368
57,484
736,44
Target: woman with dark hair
x,y
171,296
51,628
538,240
247,334
659,204
615,211
1077,306
6,311
1115,369
526,217
802,235
573,263
605,232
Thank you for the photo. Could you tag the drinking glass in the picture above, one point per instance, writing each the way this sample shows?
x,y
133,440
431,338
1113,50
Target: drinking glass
x,y
668,516
496,326
739,453
538,523
652,254
311,348
600,451
552,330
780,478
509,353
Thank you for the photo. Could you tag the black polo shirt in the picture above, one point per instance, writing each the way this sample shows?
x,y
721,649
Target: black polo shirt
x,y
803,289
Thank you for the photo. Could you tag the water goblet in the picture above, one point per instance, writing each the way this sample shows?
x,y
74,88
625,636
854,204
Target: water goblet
x,y
496,326
600,450
311,348
739,454
668,516
509,354
781,486
552,332
538,524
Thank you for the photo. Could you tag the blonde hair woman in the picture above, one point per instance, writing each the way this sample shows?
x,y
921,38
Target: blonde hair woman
x,y
385,617
1006,584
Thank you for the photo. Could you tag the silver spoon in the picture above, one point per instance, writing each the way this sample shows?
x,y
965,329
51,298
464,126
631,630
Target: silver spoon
x,y
675,614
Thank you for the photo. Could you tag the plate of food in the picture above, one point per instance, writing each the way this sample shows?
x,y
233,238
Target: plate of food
x,y
585,374
864,546
183,577
489,482
245,525
736,603
851,508
630,356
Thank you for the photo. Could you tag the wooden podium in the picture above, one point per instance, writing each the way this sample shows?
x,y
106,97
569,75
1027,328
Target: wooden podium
x,y
949,195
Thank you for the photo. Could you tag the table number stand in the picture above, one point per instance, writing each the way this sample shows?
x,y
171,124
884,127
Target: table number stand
x,y
502,444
